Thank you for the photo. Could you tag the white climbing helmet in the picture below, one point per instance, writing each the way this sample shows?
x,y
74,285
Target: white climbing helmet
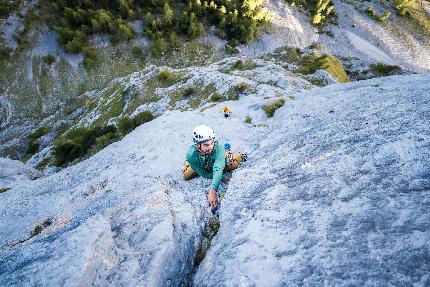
x,y
203,133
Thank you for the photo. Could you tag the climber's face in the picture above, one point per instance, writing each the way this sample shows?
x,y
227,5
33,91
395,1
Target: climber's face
x,y
206,147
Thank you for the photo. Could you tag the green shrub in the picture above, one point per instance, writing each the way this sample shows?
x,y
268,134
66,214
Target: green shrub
x,y
309,64
381,70
48,59
384,17
316,46
320,10
271,108
105,140
214,225
158,47
142,118
4,189
290,54
66,152
403,7
33,147
323,9
231,50
38,133
217,97
238,65
371,12
232,96
7,7
91,58
37,230
121,31
248,119
334,67
47,222
137,52
76,45
165,75
188,92
100,131
242,65
241,87
125,125
77,143
5,53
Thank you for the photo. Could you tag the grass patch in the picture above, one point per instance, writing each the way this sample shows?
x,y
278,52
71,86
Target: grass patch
x,y
241,66
248,120
39,228
134,104
195,102
316,46
5,53
36,231
165,75
48,59
288,54
164,79
382,70
111,110
77,143
195,95
381,18
39,133
137,52
33,144
47,222
244,65
271,108
231,50
217,97
232,96
214,225
126,125
241,87
371,12
208,90
189,91
309,64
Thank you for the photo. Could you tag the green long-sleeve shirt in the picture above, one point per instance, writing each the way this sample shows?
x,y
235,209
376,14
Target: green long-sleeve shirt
x,y
208,166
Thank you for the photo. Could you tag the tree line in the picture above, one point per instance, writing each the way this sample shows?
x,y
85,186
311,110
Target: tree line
x,y
163,20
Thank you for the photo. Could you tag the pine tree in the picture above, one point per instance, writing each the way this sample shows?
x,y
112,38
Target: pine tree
x,y
184,21
168,16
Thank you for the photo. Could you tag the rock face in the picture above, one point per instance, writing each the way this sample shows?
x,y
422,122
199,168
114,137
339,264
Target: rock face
x,y
336,194
13,172
335,191
121,217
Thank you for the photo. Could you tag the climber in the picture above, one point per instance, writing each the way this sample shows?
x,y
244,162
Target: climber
x,y
227,111
210,160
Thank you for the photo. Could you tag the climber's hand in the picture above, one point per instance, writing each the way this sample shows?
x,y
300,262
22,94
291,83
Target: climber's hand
x,y
212,198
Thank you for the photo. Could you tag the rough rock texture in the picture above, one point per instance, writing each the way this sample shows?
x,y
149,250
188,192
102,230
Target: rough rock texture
x,y
338,193
15,171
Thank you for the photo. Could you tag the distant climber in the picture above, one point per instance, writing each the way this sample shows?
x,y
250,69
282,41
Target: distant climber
x,y
227,111
210,160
